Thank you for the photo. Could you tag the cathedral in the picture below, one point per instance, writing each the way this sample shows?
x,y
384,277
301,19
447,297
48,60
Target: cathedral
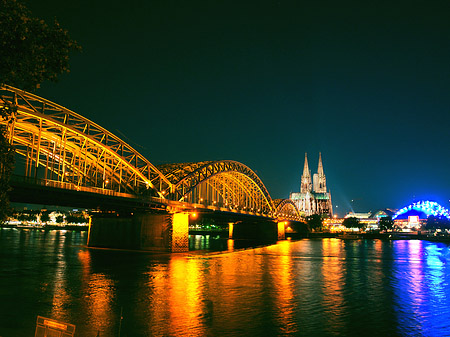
x,y
313,197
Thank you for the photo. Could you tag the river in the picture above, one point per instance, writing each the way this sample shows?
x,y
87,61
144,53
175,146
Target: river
x,y
311,287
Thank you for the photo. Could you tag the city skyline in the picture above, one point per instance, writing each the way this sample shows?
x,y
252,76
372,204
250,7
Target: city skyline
x,y
365,85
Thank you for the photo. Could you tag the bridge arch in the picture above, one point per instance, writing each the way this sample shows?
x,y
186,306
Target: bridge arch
x,y
62,146
286,208
224,183
426,207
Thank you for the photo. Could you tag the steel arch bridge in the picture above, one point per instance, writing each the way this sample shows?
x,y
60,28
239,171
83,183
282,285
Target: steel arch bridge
x,y
286,208
223,183
67,150
73,150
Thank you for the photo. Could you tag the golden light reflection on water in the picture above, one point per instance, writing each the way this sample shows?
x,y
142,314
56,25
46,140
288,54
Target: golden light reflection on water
x,y
184,284
284,288
99,292
60,295
180,297
230,245
333,280
85,259
308,287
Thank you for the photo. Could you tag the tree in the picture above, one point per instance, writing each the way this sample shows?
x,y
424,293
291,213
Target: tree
x,y
314,221
437,222
22,217
45,217
59,219
32,217
6,168
30,52
352,222
386,223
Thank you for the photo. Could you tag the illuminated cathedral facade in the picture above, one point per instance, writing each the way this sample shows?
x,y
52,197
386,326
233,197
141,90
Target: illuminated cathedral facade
x,y
313,197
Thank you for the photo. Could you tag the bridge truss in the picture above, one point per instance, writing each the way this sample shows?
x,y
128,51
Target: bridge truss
x,y
60,145
225,183
65,149
286,208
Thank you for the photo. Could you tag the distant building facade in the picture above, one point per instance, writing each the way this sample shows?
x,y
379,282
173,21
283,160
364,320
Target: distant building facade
x,y
313,197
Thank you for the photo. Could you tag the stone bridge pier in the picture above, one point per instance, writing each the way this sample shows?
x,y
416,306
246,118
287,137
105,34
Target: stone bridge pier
x,y
140,231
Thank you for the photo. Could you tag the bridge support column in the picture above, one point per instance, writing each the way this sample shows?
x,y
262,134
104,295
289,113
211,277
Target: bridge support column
x,y
180,232
281,230
141,231
230,230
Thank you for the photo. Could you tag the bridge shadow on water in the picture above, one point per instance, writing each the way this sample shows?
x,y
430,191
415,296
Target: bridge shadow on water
x,y
216,243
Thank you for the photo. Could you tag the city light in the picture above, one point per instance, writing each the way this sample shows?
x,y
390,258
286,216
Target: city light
x,y
428,207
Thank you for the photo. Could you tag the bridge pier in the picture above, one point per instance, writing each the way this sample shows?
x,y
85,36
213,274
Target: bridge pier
x,y
264,231
230,230
281,230
261,231
140,231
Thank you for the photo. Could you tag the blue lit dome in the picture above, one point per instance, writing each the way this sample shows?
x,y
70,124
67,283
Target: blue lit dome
x,y
423,209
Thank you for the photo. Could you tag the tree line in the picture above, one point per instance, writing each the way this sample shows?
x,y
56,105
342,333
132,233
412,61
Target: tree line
x,y
44,216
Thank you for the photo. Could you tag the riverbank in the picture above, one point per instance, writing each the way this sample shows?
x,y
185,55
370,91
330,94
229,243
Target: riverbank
x,y
47,227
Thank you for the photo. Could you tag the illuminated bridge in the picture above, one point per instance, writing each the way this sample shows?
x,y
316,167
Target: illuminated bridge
x,y
70,160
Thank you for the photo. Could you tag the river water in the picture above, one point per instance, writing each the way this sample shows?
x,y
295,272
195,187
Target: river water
x,y
326,287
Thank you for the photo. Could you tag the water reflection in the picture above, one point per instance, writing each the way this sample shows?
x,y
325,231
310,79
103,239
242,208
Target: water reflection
x,y
422,295
184,297
282,280
309,287
333,282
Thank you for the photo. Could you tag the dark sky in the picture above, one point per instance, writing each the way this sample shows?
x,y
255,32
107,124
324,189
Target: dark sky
x,y
262,82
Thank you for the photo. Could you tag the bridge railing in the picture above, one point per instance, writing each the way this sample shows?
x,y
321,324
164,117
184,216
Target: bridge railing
x,y
68,186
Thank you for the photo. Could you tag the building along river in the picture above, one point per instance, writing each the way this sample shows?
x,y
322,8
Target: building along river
x,y
311,287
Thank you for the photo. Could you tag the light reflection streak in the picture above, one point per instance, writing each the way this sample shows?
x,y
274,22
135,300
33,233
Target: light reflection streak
x,y
184,297
435,260
333,277
236,284
230,244
100,294
60,295
420,292
98,291
326,287
284,292
416,277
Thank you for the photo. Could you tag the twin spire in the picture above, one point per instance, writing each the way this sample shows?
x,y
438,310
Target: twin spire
x,y
320,168
319,180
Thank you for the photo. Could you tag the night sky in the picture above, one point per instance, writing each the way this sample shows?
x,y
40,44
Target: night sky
x,y
365,83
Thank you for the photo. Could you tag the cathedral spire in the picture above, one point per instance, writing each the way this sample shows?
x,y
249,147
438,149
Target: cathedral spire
x,y
320,168
320,182
305,167
313,198
306,184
